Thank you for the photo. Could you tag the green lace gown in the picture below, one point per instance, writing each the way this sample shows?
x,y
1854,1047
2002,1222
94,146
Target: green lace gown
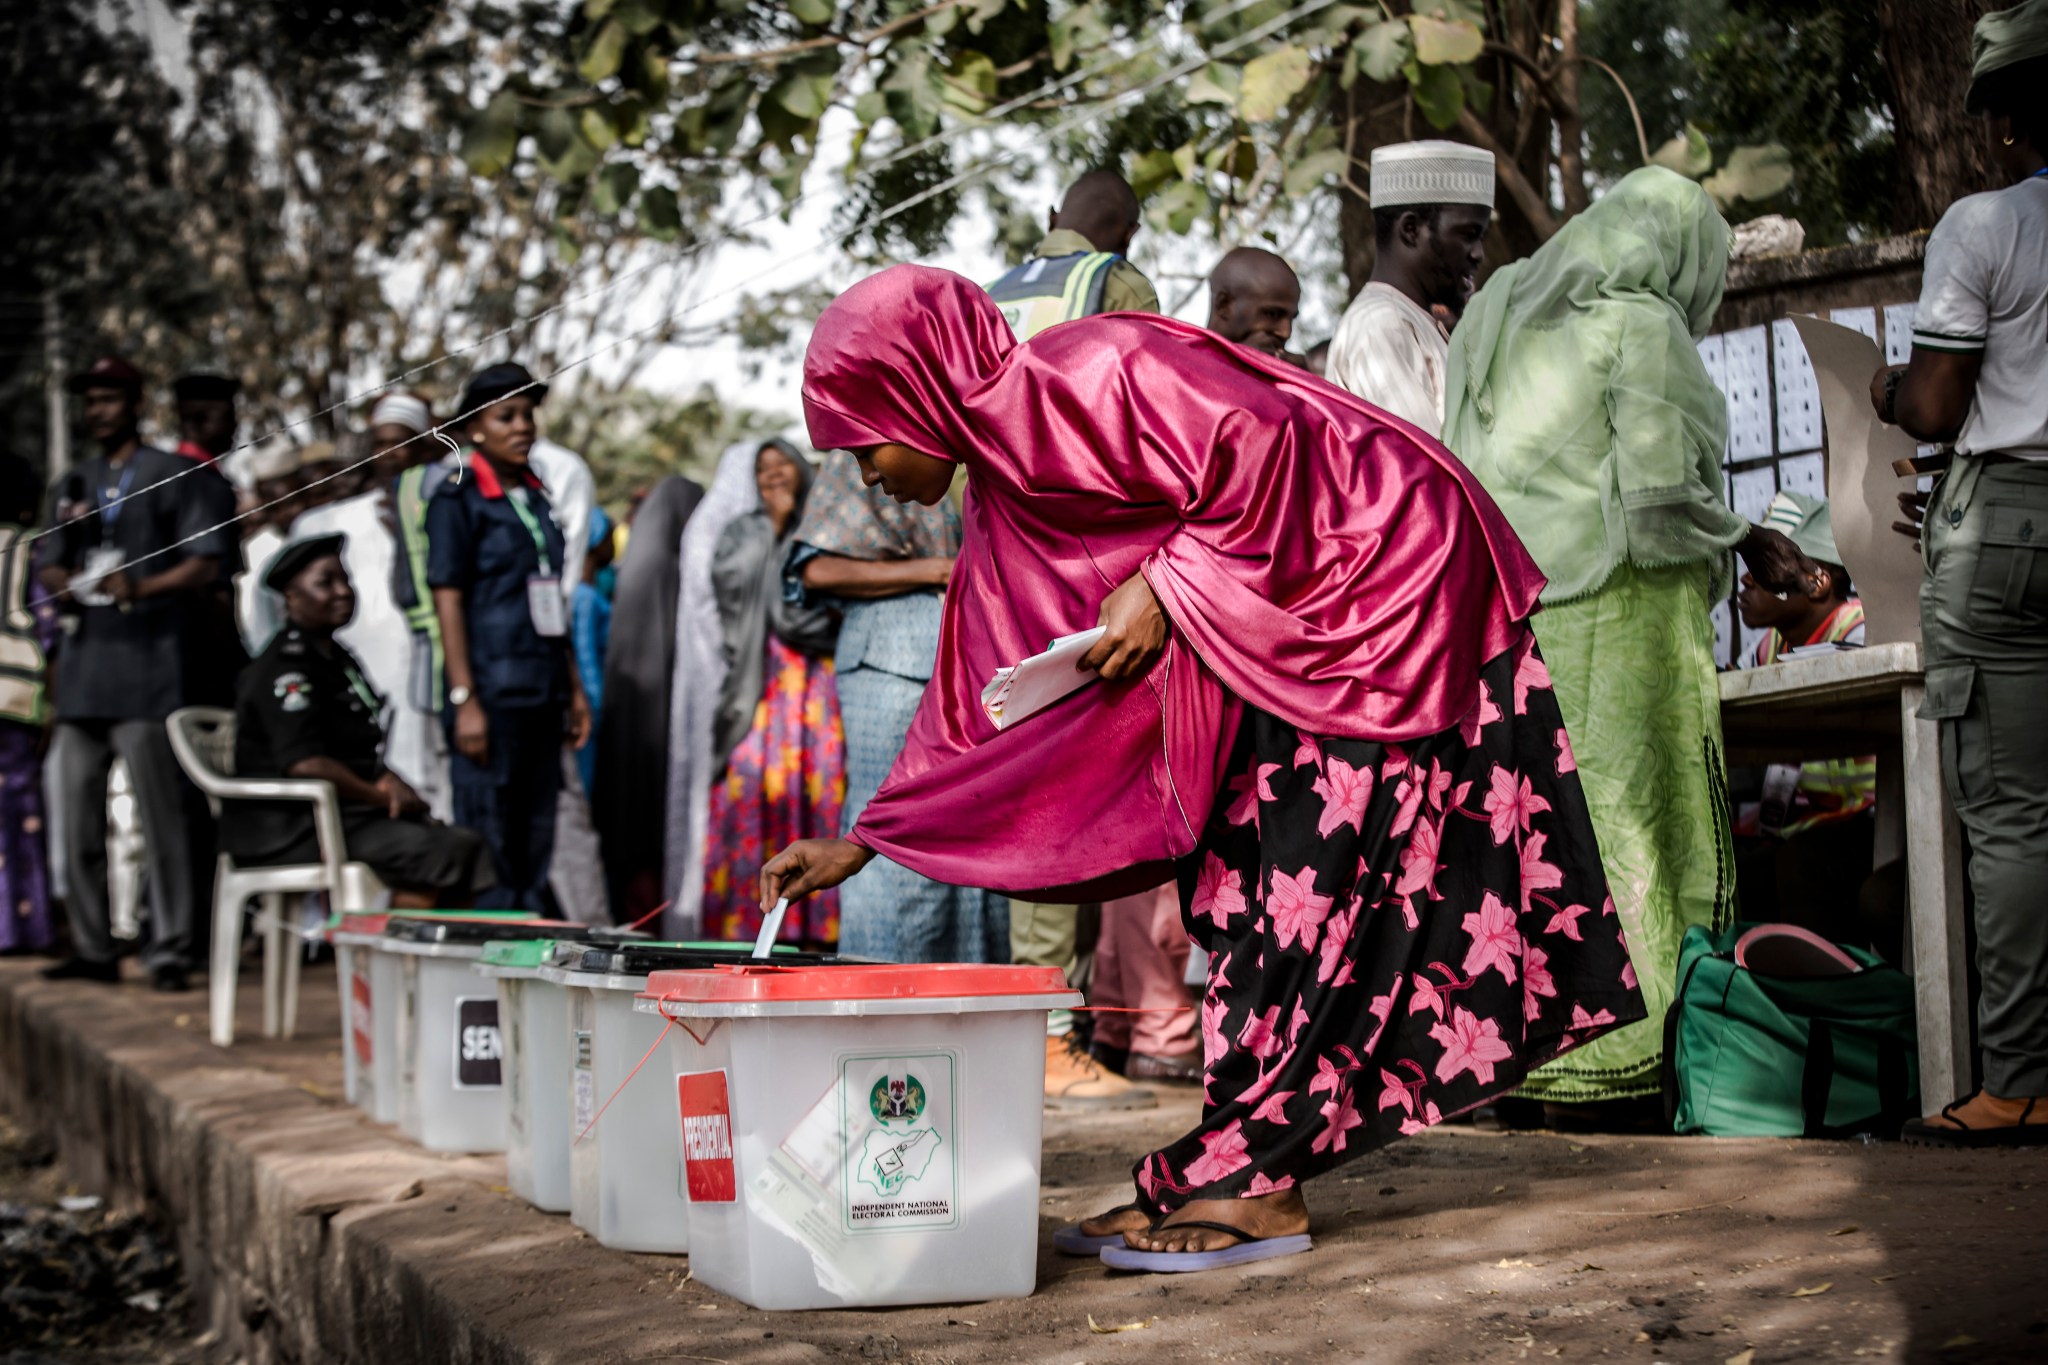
x,y
1633,668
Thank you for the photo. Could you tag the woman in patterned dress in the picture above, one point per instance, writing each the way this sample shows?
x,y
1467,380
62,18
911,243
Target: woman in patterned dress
x,y
1319,701
25,633
775,736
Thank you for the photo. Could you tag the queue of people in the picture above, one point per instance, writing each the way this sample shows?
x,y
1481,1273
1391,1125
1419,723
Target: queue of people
x,y
1442,782
1425,800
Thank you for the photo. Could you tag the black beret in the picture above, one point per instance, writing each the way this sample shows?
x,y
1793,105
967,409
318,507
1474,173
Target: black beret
x,y
293,559
206,386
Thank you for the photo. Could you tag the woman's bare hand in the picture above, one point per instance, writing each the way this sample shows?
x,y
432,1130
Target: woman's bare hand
x,y
1134,631
400,800
810,865
1913,507
576,724
473,732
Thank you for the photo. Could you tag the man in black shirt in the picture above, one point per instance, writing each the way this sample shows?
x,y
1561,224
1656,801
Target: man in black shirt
x,y
305,710
207,423
134,549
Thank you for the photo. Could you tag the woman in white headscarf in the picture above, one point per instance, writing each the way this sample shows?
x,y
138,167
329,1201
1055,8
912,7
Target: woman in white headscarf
x,y
700,673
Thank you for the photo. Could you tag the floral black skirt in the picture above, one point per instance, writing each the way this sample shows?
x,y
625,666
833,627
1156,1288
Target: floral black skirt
x,y
1396,933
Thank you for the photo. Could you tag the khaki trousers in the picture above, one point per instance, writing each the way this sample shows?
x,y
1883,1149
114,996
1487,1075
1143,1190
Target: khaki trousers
x,y
1984,622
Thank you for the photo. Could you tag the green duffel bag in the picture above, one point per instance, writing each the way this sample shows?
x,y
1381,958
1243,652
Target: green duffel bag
x,y
1776,1032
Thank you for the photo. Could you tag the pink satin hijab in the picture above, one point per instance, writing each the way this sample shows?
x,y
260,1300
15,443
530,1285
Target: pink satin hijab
x,y
1318,558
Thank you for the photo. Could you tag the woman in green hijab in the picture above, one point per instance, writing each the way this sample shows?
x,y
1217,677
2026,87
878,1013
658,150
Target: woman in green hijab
x,y
1577,395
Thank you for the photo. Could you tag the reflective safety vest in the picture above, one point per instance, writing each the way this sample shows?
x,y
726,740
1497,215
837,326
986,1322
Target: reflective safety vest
x,y
416,487
1049,289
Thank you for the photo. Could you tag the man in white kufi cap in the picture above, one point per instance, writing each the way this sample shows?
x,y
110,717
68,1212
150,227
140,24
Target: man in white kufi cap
x,y
1431,205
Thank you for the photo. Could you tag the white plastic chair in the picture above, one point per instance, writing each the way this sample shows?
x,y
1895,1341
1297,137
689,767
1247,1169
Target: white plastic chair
x,y
203,737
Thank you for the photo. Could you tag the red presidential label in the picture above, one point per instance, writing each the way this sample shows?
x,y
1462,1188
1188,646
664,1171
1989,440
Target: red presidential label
x,y
707,1137
359,1014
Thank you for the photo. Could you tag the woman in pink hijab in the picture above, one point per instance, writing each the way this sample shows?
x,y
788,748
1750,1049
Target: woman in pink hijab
x,y
1319,702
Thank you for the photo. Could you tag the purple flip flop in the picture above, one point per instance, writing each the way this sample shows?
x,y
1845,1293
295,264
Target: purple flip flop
x,y
1071,1241
1247,1250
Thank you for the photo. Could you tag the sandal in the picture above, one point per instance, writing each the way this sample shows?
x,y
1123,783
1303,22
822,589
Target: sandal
x,y
1247,1250
1925,1132
1071,1241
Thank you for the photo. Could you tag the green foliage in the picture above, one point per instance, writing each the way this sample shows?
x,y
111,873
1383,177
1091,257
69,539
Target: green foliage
x,y
89,199
746,90
633,438
1805,75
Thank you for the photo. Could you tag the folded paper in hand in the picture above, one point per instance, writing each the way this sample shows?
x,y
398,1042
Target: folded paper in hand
x,y
1025,689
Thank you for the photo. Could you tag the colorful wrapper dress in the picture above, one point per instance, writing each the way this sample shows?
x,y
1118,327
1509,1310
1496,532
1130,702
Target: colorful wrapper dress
x,y
786,781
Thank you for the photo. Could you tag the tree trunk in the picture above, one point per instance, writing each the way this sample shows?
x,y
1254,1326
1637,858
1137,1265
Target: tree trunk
x,y
1941,154
1571,131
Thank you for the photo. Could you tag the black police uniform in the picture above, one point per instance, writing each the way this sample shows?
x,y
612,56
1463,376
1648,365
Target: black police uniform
x,y
298,700
492,542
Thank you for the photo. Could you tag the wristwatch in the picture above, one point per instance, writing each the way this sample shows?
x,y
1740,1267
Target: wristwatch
x,y
459,695
1892,380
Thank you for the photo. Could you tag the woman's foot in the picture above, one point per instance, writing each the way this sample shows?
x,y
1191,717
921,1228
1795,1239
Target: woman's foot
x,y
1280,1214
1118,1221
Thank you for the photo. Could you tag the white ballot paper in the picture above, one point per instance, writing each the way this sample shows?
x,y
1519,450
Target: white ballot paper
x,y
1025,689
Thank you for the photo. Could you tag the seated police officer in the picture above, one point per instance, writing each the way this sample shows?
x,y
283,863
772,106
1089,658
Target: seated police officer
x,y
303,709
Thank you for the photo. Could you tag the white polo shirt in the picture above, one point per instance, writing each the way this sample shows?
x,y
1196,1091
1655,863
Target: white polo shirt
x,y
1984,290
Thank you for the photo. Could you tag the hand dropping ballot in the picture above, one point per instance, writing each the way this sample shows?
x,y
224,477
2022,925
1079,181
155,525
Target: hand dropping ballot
x,y
1024,689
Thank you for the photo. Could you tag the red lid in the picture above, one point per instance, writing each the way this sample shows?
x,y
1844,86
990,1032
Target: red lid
x,y
854,981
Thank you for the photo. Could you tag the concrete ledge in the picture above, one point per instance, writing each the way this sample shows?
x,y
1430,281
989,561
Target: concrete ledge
x,y
1883,271
314,1236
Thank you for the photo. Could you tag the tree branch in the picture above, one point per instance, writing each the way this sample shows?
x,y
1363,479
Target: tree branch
x,y
1518,187
1528,64
776,54
1642,142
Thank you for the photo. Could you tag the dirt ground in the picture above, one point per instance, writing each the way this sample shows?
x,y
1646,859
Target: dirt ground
x,y
1456,1245
81,1284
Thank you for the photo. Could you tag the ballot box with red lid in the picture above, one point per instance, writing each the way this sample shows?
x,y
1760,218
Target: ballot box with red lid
x,y
860,1135
370,983
451,1081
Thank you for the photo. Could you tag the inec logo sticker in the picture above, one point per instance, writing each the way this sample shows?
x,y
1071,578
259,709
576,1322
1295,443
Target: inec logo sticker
x,y
898,1128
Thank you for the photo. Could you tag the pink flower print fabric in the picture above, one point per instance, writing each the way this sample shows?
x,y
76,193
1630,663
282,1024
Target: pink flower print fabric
x,y
1396,933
